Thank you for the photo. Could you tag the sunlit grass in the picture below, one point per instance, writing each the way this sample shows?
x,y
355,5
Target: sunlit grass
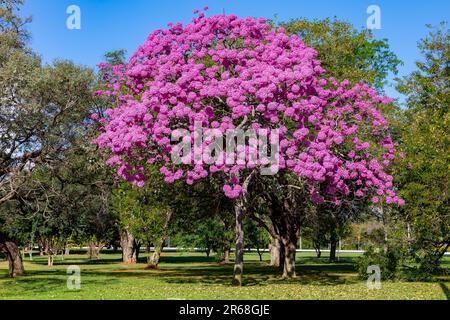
x,y
193,276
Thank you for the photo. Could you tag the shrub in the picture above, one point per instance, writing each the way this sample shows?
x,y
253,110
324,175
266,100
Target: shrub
x,y
388,262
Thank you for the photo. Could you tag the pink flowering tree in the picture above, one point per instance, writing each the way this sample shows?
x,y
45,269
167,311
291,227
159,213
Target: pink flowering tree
x,y
192,84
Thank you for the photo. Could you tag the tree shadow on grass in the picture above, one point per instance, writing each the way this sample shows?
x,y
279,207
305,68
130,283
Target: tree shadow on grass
x,y
187,259
255,274
38,283
445,290
77,261
181,259
177,270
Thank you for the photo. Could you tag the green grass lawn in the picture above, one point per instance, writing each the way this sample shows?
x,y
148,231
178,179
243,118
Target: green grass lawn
x,y
193,276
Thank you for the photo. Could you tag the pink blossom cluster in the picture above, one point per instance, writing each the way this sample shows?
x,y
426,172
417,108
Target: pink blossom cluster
x,y
225,72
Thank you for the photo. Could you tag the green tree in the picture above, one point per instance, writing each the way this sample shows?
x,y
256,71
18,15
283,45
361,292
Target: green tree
x,y
43,109
257,238
65,194
426,142
347,53
144,219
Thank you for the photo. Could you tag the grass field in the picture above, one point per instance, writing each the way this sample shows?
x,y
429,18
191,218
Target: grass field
x,y
193,276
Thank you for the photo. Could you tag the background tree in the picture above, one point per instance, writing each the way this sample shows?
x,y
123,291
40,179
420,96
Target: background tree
x,y
256,237
347,53
205,219
426,142
41,109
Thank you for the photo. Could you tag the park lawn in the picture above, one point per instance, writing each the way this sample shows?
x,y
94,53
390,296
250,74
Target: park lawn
x,y
193,276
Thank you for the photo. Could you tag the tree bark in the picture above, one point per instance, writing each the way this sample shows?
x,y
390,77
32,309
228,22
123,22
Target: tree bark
x,y
226,254
128,244
51,247
384,216
137,251
286,222
275,252
319,253
408,233
317,248
333,246
94,249
30,253
240,211
50,260
289,259
154,260
239,260
12,253
259,253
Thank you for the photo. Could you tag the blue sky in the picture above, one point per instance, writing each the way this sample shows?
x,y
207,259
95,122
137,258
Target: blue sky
x,y
124,24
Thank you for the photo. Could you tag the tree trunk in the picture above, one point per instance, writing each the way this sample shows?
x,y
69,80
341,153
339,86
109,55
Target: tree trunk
x,y
128,244
260,254
408,234
226,254
289,259
287,227
286,214
94,250
51,250
137,251
316,245
275,252
13,256
50,260
333,246
289,246
30,253
148,251
154,260
240,211
384,216
239,260
385,242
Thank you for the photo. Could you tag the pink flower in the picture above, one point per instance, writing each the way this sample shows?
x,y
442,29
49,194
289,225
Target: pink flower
x,y
338,140
359,194
273,81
